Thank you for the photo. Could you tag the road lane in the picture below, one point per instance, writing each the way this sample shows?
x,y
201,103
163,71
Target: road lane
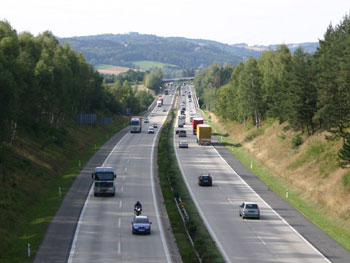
x,y
105,226
270,239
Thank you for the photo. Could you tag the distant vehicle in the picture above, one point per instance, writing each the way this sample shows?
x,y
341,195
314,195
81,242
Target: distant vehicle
x,y
154,125
166,92
205,180
192,115
195,122
146,121
164,110
190,100
160,102
182,112
183,144
104,178
181,120
249,210
203,134
189,95
150,129
182,133
136,124
141,225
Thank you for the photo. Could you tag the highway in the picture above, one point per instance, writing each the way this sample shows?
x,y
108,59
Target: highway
x,y
103,233
270,239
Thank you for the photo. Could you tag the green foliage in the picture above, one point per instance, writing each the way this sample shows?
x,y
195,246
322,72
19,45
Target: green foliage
x,y
346,180
282,137
296,141
253,134
154,80
344,154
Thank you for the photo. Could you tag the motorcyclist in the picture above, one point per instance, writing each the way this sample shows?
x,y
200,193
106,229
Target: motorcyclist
x,y
138,207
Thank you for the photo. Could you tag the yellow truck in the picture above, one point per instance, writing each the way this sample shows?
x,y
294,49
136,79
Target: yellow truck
x,y
203,134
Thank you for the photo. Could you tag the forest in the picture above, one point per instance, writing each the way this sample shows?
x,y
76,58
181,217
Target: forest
x,y
43,83
309,91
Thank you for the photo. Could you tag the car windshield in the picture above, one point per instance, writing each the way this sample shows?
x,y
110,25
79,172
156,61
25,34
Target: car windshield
x,y
141,220
251,206
184,132
104,176
103,184
135,122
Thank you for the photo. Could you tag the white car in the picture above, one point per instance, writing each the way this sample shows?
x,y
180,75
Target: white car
x,y
150,129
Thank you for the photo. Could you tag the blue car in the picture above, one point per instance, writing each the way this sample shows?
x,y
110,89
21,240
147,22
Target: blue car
x,y
141,225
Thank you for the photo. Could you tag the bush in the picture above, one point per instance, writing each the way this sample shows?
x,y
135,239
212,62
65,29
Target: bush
x,y
296,141
346,180
253,134
281,137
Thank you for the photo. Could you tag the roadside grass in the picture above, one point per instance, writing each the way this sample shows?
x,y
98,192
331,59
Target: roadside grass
x,y
314,212
173,187
36,216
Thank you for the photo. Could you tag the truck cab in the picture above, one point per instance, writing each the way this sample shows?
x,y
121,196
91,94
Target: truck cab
x,y
104,181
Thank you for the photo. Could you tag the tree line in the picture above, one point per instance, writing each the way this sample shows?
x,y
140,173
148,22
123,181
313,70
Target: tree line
x,y
42,83
309,91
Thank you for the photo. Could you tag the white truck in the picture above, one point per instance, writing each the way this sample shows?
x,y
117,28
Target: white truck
x,y
159,103
136,124
181,120
104,181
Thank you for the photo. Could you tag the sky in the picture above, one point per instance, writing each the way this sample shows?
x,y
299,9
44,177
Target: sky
x,y
255,22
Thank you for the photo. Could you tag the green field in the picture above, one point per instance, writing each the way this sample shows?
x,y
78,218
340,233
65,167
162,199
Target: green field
x,y
147,64
102,66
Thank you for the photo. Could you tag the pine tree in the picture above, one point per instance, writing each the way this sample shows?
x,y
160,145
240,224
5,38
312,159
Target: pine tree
x,y
344,154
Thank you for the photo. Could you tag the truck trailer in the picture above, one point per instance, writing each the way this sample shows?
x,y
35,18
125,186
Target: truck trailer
x,y
195,122
136,124
203,134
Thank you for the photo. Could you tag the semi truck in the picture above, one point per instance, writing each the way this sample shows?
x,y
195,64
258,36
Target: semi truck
x,y
203,134
195,122
161,101
104,181
181,120
136,124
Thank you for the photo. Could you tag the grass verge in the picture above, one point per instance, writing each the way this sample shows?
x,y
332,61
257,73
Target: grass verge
x,y
35,216
316,214
173,187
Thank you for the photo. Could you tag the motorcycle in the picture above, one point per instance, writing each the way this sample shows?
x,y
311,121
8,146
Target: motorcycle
x,y
137,211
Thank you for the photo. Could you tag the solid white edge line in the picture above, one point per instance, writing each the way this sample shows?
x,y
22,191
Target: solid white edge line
x,y
280,217
155,203
71,253
220,247
283,220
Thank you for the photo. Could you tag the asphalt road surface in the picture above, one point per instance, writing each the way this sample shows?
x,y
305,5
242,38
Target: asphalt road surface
x,y
270,239
103,230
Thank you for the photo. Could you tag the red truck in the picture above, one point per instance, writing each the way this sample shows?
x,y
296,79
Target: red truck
x,y
160,101
195,122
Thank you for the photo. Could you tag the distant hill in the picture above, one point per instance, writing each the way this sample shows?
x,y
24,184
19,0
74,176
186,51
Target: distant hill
x,y
176,52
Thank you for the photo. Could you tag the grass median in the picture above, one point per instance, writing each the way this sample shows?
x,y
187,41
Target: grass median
x,y
173,188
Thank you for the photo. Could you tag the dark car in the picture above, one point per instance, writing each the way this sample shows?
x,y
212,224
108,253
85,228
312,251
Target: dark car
x,y
205,180
182,133
154,125
141,225
249,210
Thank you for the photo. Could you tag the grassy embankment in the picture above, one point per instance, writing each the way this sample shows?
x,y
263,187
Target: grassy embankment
x,y
148,64
32,172
317,187
173,186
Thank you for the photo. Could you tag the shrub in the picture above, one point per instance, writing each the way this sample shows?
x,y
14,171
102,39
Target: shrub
x,y
282,137
253,134
346,180
296,141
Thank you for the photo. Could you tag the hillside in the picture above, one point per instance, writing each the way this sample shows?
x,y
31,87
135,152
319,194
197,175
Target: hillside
x,y
177,52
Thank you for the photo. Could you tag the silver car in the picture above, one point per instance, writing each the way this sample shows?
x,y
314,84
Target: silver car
x,y
249,210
